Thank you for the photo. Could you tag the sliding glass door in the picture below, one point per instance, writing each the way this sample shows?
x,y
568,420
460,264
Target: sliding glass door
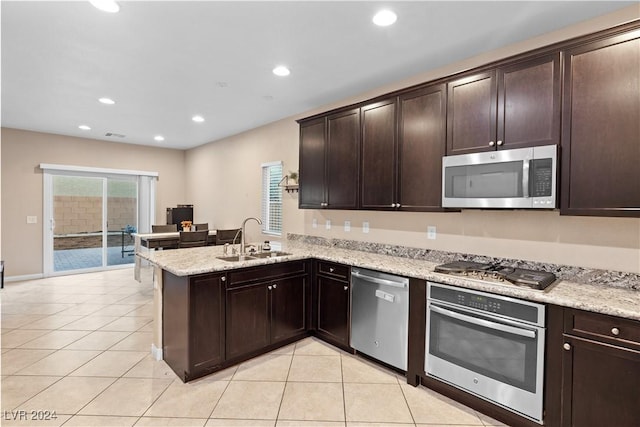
x,y
92,221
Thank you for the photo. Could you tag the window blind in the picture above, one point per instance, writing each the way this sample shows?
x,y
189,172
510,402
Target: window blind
x,y
272,198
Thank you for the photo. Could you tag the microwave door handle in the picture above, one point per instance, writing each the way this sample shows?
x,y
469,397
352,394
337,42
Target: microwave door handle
x,y
484,323
525,177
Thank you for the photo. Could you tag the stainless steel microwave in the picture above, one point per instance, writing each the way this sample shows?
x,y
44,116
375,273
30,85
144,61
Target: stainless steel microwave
x,y
521,178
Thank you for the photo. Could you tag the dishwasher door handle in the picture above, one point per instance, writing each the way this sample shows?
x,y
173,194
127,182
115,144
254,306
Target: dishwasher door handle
x,y
379,281
484,323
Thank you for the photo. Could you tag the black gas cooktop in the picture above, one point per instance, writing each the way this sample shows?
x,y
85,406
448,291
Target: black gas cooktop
x,y
534,279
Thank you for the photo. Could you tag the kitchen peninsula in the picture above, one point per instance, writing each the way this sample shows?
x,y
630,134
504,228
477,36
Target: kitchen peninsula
x,y
225,312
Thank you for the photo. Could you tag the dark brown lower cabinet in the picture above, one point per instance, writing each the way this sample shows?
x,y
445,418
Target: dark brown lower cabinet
x,y
601,385
193,318
247,319
333,303
600,370
265,306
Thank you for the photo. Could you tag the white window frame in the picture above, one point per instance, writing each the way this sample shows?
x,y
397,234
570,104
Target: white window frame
x,y
266,200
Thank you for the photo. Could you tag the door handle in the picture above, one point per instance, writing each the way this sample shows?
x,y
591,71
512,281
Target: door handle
x,y
484,323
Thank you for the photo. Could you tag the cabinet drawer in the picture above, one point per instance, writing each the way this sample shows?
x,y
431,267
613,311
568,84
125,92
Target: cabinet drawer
x,y
265,272
334,270
610,329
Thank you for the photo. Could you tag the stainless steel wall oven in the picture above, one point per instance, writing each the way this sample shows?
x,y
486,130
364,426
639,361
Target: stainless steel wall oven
x,y
489,345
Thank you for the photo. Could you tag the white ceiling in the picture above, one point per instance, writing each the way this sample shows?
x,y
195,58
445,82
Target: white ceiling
x,y
163,62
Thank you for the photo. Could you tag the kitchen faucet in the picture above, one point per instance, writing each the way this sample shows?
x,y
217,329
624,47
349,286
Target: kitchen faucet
x,y
242,248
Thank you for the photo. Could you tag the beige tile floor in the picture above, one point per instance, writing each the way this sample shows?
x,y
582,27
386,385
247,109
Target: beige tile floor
x,y
80,346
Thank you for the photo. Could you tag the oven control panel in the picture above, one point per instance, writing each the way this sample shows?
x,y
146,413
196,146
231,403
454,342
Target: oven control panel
x,y
504,306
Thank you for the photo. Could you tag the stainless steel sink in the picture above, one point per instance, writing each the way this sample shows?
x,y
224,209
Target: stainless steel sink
x,y
236,258
273,254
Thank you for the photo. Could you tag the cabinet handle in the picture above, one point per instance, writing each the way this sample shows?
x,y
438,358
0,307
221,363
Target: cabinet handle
x,y
275,286
398,205
393,205
331,269
223,279
499,143
615,331
269,287
491,143
566,346
346,288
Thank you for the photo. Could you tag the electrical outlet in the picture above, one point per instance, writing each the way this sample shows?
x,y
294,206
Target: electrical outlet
x,y
431,232
347,226
314,223
327,225
32,219
365,227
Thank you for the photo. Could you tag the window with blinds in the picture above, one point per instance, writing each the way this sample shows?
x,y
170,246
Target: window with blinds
x,y
272,198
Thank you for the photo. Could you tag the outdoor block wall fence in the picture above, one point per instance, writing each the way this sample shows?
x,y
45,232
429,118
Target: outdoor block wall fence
x,y
79,220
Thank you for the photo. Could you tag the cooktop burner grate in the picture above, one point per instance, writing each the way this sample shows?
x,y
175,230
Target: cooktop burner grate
x,y
492,273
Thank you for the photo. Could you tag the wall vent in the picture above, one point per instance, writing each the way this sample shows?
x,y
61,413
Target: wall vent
x,y
115,135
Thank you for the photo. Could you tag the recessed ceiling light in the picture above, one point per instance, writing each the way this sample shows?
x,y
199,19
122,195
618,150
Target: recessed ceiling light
x,y
107,101
197,119
281,71
384,18
159,138
105,5
84,127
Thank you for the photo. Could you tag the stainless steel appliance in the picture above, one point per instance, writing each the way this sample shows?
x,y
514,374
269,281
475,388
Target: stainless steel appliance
x,y
496,273
380,316
489,345
519,178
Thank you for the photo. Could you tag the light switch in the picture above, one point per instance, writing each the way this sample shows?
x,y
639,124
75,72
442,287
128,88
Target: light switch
x,y
314,223
431,232
327,225
347,226
365,227
32,219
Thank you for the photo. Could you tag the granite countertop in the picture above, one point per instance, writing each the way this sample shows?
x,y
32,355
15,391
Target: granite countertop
x,y
599,298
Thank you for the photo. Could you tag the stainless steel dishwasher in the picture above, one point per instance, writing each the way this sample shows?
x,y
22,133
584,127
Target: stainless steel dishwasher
x,y
380,316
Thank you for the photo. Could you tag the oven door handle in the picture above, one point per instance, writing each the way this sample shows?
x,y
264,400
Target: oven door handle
x,y
485,323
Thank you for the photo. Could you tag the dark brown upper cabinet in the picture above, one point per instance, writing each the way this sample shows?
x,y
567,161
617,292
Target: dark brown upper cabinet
x,y
513,106
403,141
422,119
312,163
379,155
329,157
601,128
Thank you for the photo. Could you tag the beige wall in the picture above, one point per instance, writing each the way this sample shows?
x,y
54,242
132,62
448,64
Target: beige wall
x,y
223,180
22,192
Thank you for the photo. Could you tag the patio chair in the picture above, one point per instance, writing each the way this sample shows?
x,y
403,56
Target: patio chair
x,y
203,226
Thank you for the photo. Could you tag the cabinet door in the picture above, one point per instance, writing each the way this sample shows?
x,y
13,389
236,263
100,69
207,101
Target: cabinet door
x,y
600,385
600,131
312,164
471,114
288,306
343,147
206,298
247,323
379,155
422,142
333,309
529,103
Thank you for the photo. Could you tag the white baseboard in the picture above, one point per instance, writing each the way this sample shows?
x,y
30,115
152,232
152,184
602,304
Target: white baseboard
x,y
156,352
23,277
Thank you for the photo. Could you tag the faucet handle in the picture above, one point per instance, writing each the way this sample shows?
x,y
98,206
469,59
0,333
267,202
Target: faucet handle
x,y
225,249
